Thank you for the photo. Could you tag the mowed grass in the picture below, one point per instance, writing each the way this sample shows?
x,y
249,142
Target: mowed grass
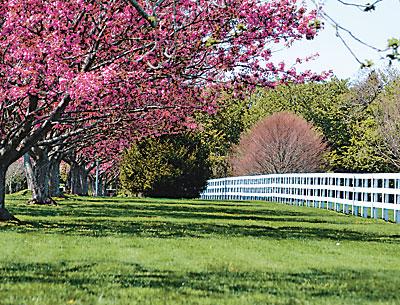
x,y
146,251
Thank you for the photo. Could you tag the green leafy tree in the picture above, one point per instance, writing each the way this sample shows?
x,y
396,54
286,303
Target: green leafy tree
x,y
174,166
364,150
318,103
220,131
388,117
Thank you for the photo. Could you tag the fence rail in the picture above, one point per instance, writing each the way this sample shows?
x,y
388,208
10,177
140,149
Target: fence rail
x,y
366,195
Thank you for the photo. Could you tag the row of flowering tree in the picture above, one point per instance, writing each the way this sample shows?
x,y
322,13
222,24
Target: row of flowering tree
x,y
74,70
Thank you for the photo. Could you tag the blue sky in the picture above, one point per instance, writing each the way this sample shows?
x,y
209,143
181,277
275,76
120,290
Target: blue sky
x,y
373,27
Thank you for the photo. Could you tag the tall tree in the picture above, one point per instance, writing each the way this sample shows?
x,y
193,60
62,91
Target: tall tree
x,y
388,117
219,132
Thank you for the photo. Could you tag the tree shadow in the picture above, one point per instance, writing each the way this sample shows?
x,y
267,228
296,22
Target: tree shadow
x,y
176,219
169,229
185,211
309,284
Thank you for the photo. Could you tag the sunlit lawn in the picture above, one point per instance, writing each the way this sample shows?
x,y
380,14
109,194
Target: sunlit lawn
x,y
144,251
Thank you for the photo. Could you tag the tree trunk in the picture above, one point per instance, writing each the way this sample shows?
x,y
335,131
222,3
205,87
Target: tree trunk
x,y
55,178
106,184
100,190
92,185
28,171
78,179
84,177
41,177
4,214
102,186
74,180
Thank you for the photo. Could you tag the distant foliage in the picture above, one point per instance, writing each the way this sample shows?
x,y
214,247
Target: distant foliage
x,y
280,143
388,116
15,177
343,113
220,131
174,166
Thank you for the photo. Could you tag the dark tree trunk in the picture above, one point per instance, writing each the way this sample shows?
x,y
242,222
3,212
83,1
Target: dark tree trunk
x,y
74,180
78,180
55,178
41,177
4,214
84,177
2,186
23,138
92,185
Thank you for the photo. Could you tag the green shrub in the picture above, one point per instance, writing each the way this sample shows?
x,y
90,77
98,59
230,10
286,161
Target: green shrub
x,y
174,166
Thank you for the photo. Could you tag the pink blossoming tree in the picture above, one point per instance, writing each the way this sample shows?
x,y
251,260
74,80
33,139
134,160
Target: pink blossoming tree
x,y
63,58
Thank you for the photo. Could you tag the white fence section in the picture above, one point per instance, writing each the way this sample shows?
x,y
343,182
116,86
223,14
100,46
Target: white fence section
x,y
366,195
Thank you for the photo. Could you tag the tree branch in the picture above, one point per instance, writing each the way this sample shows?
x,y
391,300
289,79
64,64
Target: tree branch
x,y
152,20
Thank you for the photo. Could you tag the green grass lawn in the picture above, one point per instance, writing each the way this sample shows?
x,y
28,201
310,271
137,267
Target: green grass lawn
x,y
145,251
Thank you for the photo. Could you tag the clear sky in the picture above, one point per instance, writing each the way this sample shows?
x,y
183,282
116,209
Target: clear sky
x,y
373,27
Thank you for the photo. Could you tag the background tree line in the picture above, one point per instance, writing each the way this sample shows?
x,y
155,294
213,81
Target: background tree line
x,y
351,127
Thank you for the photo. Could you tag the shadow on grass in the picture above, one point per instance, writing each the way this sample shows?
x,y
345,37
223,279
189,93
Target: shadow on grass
x,y
165,229
175,219
340,283
171,210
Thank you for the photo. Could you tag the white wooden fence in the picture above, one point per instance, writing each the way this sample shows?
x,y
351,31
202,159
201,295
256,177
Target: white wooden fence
x,y
366,195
